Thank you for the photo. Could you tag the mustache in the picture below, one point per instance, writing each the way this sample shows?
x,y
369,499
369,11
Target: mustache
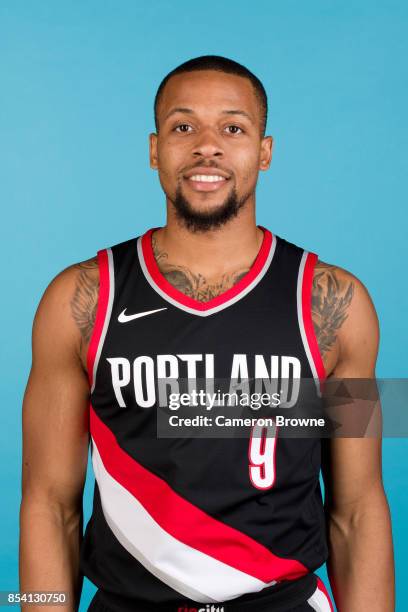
x,y
209,164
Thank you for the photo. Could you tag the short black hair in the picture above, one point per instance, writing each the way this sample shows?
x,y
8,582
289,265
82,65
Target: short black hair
x,y
220,64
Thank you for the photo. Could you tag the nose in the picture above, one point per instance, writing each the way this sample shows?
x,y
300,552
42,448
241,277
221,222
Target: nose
x,y
208,145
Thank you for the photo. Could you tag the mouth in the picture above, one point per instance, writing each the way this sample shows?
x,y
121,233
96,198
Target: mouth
x,y
204,179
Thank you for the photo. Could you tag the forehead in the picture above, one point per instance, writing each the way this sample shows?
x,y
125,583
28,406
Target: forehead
x,y
209,91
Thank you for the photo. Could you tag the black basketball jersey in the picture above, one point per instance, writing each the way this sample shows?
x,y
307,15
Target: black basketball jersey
x,y
176,519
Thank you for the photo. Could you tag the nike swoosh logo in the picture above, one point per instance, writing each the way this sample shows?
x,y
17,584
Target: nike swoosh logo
x,y
124,318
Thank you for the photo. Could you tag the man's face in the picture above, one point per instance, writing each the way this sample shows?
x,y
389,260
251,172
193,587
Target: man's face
x,y
209,147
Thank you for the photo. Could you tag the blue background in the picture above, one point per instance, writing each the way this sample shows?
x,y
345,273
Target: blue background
x,y
77,81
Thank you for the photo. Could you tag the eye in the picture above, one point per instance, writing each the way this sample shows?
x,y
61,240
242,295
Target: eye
x,y
234,129
183,128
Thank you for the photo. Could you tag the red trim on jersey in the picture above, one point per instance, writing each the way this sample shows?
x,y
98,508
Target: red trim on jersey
x,y
179,296
103,298
185,521
321,586
307,285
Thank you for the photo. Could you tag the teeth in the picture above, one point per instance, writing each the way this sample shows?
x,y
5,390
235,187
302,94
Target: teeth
x,y
207,178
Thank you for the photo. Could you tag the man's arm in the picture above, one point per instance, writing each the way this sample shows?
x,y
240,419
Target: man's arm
x,y
55,438
360,564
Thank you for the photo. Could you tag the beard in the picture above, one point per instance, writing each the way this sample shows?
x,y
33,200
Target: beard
x,y
199,221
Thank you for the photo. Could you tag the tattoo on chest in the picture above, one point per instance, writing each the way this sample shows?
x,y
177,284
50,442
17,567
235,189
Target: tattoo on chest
x,y
85,298
331,299
192,284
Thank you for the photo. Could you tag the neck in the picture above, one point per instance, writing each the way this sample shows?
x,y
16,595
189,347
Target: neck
x,y
225,249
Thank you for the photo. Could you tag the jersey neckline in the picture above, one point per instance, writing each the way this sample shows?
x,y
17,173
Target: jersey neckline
x,y
160,284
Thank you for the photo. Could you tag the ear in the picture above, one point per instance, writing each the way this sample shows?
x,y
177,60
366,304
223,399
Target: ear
x,y
153,151
266,153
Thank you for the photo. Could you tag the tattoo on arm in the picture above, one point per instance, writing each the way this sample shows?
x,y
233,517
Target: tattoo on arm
x,y
85,298
193,285
331,298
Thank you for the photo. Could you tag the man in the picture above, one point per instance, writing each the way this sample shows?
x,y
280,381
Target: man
x,y
195,523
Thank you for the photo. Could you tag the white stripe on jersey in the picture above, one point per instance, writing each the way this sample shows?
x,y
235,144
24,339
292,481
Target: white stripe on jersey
x,y
192,573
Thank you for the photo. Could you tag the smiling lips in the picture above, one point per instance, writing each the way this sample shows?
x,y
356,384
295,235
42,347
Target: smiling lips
x,y
206,181
206,178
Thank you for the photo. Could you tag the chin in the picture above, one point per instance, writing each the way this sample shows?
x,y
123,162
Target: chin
x,y
204,216
205,208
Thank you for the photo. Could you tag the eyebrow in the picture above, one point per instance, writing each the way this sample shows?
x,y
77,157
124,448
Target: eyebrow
x,y
239,112
179,109
189,111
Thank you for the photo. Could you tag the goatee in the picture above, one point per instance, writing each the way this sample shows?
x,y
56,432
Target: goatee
x,y
198,221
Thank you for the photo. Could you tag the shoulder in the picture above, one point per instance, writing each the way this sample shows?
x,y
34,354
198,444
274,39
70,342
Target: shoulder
x,y
66,311
336,287
344,316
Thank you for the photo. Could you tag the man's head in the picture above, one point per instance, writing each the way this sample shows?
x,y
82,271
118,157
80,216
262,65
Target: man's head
x,y
210,116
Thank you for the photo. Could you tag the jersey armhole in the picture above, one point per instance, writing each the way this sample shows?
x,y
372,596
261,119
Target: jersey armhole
x,y
103,313
304,307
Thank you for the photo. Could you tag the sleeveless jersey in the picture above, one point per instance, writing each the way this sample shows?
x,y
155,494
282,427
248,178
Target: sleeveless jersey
x,y
178,520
